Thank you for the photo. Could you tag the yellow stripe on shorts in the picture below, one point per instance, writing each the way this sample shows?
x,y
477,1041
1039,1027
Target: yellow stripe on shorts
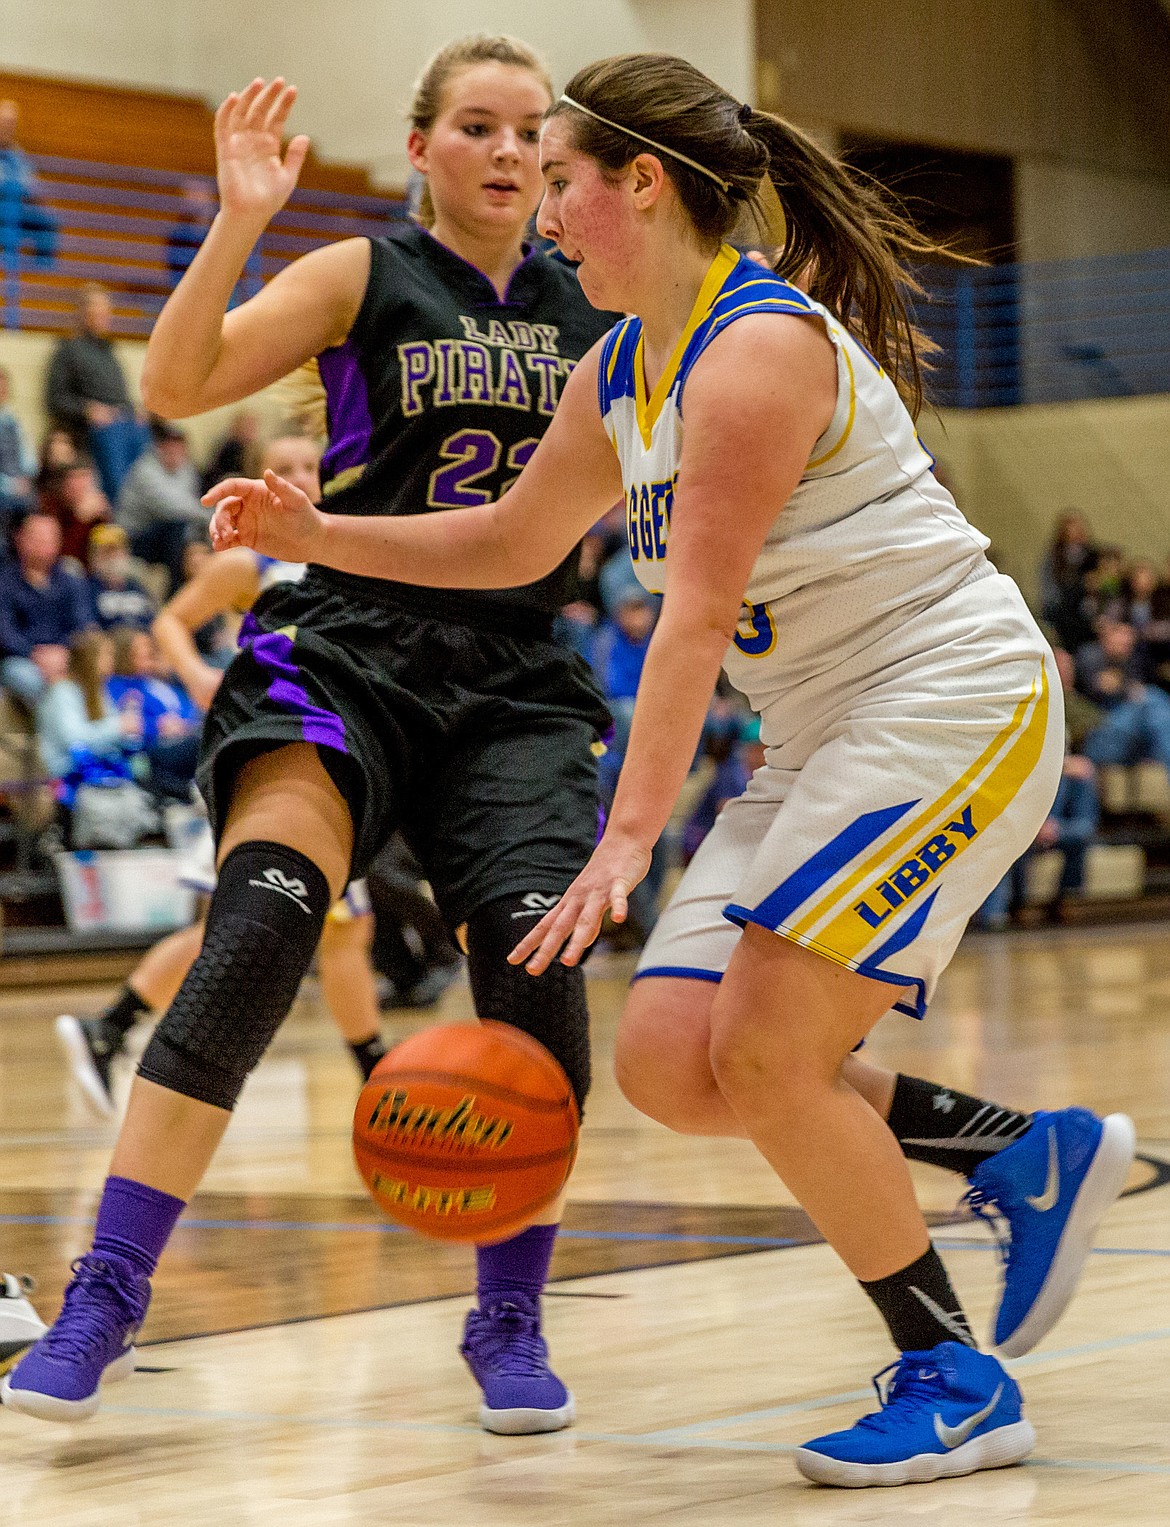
x,y
1023,738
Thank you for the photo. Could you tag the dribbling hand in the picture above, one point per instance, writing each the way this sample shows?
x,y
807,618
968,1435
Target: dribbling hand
x,y
270,516
254,181
615,868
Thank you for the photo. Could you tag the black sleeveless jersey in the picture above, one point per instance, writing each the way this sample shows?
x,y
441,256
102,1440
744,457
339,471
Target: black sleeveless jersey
x,y
438,397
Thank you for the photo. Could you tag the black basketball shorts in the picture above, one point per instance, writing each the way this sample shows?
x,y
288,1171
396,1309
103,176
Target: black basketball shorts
x,y
480,745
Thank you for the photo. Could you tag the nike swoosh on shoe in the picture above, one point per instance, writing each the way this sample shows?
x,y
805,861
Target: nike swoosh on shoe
x,y
1042,1202
954,1436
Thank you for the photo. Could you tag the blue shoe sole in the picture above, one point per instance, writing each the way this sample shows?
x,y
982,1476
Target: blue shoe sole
x,y
1102,1183
997,1449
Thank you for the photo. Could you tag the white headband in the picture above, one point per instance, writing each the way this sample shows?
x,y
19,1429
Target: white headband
x,y
641,137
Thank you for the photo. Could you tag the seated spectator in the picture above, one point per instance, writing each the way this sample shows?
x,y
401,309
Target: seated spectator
x,y
731,741
168,722
1070,558
86,391
159,505
238,453
42,608
24,221
1105,586
118,597
1137,595
1071,825
17,464
1135,724
619,651
196,215
74,497
59,450
76,712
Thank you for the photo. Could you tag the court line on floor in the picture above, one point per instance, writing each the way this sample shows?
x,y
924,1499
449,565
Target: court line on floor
x,y
664,1237
771,1413
618,1439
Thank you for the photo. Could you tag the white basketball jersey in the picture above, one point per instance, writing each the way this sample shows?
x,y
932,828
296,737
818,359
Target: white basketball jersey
x,y
868,540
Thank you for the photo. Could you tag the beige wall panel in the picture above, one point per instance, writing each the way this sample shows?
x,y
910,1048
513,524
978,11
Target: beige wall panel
x,y
1014,470
1065,211
355,61
1000,76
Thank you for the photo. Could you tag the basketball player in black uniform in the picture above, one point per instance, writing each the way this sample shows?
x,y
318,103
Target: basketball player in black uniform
x,y
357,707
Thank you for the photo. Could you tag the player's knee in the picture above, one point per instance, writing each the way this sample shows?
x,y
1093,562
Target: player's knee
x,y
551,1008
262,928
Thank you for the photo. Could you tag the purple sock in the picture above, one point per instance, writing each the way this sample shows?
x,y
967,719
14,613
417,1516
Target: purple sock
x,y
135,1222
518,1266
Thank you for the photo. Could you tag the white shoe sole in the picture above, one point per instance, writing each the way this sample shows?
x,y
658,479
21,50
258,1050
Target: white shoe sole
x,y
71,1038
523,1422
998,1449
47,1407
1103,1182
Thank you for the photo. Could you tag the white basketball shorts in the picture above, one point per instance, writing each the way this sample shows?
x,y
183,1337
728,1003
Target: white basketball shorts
x,y
898,787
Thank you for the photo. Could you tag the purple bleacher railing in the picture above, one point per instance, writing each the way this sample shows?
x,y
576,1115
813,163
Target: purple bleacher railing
x,y
118,235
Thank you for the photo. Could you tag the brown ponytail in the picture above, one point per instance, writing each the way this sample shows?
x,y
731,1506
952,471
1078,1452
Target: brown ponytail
x,y
841,232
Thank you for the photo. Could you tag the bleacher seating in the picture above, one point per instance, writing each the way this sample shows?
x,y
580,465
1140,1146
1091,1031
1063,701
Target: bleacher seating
x,y
116,206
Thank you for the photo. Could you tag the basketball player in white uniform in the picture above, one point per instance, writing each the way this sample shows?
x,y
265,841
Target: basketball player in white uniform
x,y
779,498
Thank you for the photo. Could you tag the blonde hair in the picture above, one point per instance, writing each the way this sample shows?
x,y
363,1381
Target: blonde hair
x,y
481,48
84,654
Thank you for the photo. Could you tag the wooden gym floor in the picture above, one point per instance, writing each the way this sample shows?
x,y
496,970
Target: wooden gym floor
x,y
300,1364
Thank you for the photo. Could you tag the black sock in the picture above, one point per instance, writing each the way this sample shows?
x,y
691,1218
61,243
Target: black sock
x,y
948,1128
123,1014
919,1305
367,1053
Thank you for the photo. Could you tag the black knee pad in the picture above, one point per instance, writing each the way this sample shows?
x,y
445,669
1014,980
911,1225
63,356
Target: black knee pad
x,y
551,1007
264,923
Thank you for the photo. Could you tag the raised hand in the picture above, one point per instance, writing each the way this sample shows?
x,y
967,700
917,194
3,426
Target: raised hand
x,y
254,180
270,516
615,868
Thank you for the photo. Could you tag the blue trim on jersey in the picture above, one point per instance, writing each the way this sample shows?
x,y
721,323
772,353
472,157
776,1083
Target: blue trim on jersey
x,y
749,288
615,371
809,877
687,972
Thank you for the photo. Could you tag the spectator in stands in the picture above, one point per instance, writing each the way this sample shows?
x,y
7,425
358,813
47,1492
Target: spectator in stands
x,y
23,218
42,608
1139,586
159,504
1069,559
1105,586
74,497
1071,825
1135,724
86,391
196,215
76,713
17,463
58,450
169,721
731,740
238,453
119,599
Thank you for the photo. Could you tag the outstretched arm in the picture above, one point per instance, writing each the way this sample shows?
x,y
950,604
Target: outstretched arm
x,y
570,481
756,402
201,356
230,582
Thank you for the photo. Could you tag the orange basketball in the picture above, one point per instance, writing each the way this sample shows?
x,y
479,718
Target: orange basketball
x,y
465,1131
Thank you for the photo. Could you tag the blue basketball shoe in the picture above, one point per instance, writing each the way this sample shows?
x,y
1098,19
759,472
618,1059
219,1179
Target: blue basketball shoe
x,y
947,1411
1051,1188
90,1340
505,1351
